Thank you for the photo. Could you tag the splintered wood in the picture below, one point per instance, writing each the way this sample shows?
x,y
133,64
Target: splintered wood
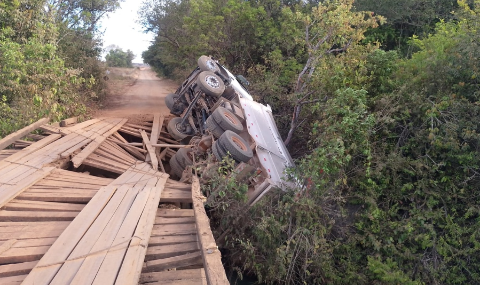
x,y
107,239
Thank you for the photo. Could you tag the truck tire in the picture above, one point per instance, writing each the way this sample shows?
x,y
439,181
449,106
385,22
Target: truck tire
x,y
210,84
214,128
170,100
218,152
183,157
206,63
175,166
175,130
236,146
227,120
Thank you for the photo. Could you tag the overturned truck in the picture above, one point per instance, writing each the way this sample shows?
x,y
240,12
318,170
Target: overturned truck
x,y
215,113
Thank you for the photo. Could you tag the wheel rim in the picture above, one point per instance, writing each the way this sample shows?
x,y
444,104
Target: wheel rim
x,y
239,143
230,118
181,129
212,81
211,64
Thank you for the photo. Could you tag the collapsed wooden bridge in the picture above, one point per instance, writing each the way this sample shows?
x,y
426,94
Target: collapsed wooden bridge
x,y
81,205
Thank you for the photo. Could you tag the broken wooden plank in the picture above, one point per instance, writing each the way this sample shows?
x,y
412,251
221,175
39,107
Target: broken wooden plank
x,y
69,121
11,138
212,259
89,149
151,150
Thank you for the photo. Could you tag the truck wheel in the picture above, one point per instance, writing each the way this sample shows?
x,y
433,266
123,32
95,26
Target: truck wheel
x,y
184,157
218,151
214,128
236,146
227,120
175,166
170,100
177,131
207,64
210,84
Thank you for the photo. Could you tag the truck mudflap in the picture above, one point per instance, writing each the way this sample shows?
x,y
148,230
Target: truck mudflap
x,y
271,151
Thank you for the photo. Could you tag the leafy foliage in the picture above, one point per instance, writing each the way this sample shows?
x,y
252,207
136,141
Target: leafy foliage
x,y
119,58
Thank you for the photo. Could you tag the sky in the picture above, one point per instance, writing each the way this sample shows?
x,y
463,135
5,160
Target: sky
x,y
120,28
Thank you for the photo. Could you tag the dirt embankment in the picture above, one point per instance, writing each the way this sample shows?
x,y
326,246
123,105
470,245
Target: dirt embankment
x,y
136,92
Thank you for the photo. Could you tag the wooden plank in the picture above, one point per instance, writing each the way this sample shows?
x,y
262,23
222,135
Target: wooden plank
x,y
211,256
34,242
150,149
100,236
128,146
32,148
164,240
100,165
177,229
113,260
11,192
167,221
82,125
171,250
31,216
16,255
17,269
11,138
66,242
175,213
69,121
172,145
179,275
12,280
173,262
176,197
157,125
133,261
79,158
54,197
118,139
24,205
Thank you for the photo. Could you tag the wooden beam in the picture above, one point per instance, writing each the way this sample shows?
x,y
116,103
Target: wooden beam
x,y
172,145
212,259
150,149
69,121
11,138
174,262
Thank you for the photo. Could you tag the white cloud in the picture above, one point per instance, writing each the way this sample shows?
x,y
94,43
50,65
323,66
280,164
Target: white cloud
x,y
120,28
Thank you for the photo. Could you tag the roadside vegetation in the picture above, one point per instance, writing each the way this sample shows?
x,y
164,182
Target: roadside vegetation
x,y
116,57
49,59
378,102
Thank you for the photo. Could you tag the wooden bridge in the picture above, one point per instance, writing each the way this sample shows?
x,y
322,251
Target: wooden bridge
x,y
81,204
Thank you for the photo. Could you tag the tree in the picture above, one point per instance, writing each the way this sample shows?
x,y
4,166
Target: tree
x,y
118,58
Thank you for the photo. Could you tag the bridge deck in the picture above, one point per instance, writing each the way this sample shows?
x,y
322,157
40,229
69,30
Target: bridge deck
x,y
109,219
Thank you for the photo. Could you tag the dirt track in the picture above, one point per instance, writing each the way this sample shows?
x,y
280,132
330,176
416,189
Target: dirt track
x,y
145,96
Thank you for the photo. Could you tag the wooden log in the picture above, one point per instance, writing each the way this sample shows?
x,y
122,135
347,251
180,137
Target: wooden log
x,y
150,149
8,140
211,256
69,121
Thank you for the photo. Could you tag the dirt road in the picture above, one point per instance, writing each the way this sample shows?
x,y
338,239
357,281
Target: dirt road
x,y
145,96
